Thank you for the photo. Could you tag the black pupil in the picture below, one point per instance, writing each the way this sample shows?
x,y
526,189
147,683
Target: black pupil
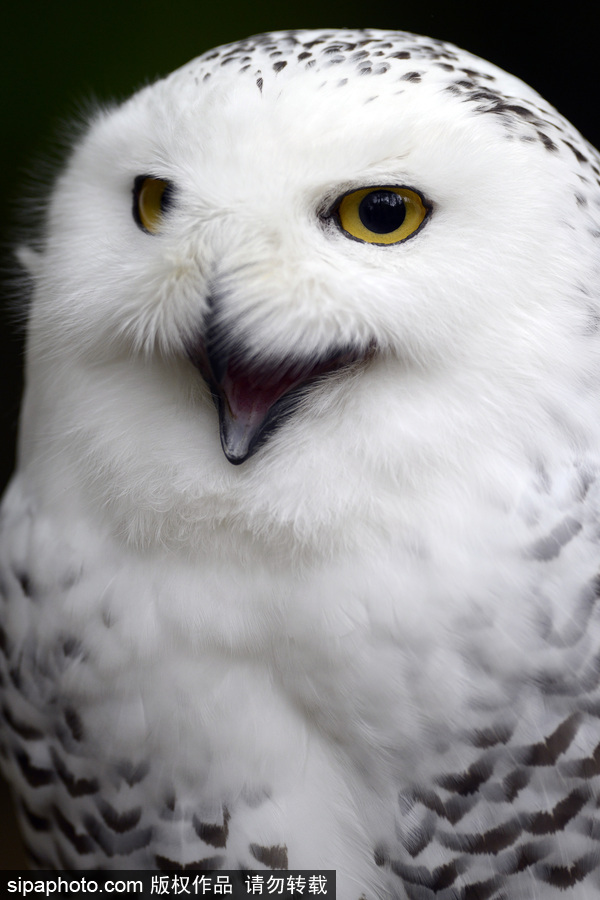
x,y
382,211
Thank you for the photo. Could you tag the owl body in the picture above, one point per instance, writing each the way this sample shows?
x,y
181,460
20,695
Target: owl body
x,y
359,629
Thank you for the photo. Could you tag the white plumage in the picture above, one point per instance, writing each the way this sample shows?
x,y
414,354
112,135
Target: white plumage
x,y
372,643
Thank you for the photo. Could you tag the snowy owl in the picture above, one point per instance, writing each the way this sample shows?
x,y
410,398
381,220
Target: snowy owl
x,y
301,562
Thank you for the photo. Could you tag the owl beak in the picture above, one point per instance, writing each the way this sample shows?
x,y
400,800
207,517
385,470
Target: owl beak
x,y
253,400
239,433
251,403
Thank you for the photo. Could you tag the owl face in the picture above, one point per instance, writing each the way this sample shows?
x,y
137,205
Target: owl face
x,y
290,217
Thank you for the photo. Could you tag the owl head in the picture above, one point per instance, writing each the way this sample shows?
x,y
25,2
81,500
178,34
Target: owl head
x,y
342,252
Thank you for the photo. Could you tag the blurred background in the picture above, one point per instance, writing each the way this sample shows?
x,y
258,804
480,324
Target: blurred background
x,y
57,57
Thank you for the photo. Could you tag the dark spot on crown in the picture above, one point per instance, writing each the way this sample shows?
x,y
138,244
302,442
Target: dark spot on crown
x,y
547,142
339,46
578,156
483,94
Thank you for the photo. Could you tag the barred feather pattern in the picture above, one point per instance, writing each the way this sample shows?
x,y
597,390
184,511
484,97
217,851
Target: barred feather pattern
x,y
512,810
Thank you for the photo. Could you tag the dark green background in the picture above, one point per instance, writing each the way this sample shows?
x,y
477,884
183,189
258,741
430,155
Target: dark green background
x,y
57,56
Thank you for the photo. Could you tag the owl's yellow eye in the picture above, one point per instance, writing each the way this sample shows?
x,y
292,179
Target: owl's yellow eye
x,y
151,198
382,215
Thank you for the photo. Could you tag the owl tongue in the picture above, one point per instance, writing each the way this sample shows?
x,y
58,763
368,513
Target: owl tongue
x,y
252,401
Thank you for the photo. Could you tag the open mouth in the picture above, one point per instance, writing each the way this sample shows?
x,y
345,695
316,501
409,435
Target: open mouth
x,y
253,399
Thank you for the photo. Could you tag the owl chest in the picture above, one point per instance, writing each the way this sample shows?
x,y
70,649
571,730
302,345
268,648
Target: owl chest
x,y
233,663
